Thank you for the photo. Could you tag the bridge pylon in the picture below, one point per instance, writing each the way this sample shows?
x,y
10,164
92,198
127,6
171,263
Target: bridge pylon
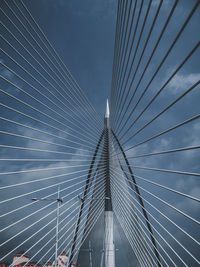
x,y
109,248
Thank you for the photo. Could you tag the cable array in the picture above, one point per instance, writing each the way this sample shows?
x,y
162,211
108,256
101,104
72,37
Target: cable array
x,y
155,130
58,159
49,131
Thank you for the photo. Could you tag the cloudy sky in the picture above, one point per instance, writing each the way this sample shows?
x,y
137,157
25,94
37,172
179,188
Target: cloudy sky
x,y
52,132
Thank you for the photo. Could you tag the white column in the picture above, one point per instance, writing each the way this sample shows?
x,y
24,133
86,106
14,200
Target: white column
x,y
109,247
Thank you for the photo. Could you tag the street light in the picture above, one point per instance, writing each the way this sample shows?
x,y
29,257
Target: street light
x,y
59,201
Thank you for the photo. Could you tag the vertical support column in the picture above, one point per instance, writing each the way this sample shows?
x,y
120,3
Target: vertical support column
x,y
109,240
109,248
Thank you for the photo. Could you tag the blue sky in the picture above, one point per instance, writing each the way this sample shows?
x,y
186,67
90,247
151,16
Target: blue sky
x,y
83,32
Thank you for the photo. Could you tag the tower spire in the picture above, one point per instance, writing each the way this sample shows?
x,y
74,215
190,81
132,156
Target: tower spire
x,y
107,117
107,114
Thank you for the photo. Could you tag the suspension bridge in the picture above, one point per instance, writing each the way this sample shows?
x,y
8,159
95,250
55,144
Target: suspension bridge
x,y
122,190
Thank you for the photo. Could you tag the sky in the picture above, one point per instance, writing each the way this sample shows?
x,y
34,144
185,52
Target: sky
x,y
82,32
48,118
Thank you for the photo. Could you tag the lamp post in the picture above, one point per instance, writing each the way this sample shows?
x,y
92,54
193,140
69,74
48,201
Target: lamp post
x,y
59,201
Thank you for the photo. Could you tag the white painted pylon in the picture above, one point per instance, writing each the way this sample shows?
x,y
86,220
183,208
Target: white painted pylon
x,y
107,114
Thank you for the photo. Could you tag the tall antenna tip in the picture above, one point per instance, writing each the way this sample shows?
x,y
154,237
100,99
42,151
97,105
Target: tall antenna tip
x,y
107,114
